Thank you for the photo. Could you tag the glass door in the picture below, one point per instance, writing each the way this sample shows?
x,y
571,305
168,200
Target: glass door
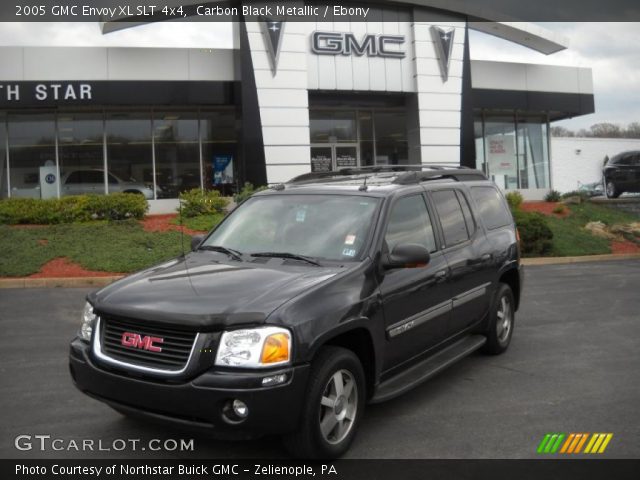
x,y
327,157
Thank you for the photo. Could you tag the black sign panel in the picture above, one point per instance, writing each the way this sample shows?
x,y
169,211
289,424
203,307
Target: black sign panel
x,y
320,161
87,93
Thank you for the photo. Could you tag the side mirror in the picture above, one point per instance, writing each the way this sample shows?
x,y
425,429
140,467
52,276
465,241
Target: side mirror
x,y
409,255
196,240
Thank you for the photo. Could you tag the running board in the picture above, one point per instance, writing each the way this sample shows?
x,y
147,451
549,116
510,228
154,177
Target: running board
x,y
426,369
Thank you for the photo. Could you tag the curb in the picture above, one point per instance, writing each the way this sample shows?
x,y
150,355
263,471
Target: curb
x,y
76,282
582,259
57,282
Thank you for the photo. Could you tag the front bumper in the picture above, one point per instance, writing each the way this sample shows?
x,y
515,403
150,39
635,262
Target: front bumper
x,y
199,401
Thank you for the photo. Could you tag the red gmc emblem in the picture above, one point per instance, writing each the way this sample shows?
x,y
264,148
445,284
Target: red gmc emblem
x,y
136,340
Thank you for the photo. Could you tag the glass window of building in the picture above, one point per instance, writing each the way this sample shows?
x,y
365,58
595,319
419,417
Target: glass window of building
x,y
219,149
500,150
32,156
4,168
333,126
81,153
130,153
177,153
533,152
391,138
367,139
478,132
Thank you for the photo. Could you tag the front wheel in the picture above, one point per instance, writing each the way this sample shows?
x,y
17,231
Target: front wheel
x,y
333,406
611,190
501,321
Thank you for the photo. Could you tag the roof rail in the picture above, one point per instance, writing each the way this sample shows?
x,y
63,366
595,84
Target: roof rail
x,y
458,174
310,177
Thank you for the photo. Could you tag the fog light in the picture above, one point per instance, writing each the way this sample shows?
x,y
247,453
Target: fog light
x,y
274,380
240,408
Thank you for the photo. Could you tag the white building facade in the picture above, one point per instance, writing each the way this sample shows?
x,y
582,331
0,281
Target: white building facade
x,y
290,97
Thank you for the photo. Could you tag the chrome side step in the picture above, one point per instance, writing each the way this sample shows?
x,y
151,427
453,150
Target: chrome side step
x,y
420,372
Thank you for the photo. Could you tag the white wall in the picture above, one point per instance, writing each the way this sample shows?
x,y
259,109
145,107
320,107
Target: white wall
x,y
575,160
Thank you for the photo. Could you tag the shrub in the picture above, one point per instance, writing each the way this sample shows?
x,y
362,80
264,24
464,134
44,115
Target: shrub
x,y
536,238
514,199
197,202
553,196
584,196
246,192
558,209
79,208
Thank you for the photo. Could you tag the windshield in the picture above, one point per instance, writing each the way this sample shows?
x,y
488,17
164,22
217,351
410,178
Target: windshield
x,y
331,227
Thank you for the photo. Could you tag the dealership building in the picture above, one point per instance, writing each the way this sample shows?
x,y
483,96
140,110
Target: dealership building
x,y
289,98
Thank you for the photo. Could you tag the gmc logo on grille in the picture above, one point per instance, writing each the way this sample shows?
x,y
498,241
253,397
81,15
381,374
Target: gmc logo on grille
x,y
136,340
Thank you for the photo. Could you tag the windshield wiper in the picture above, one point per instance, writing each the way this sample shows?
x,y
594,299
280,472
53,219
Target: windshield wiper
x,y
293,256
235,254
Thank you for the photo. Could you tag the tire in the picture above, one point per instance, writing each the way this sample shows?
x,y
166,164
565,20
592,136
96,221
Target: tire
x,y
611,190
501,321
333,368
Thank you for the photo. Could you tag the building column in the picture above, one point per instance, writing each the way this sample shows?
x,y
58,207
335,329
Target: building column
x,y
282,99
439,101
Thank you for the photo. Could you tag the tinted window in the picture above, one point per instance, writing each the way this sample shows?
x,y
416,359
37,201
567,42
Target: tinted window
x,y
491,207
75,177
93,176
451,217
468,217
113,180
625,160
409,222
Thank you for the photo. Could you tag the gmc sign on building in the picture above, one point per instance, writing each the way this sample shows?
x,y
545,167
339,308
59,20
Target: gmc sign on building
x,y
336,43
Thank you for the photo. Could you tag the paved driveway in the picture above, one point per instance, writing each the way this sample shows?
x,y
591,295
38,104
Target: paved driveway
x,y
573,366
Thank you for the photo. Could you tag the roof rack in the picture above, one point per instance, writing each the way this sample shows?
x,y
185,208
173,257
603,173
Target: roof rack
x,y
408,174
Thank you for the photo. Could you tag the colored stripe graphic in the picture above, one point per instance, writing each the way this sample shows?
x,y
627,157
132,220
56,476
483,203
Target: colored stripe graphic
x,y
573,443
551,442
598,443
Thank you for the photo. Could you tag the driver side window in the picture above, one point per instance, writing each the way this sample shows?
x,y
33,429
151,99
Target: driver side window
x,y
409,222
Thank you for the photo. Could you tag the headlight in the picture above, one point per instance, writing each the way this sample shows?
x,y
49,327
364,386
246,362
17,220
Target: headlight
x,y
88,321
255,347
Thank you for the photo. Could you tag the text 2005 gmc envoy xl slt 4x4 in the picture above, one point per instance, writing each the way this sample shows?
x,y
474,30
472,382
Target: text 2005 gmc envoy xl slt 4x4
x,y
308,301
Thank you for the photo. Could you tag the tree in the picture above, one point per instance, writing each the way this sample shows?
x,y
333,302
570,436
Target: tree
x,y
606,130
558,131
633,130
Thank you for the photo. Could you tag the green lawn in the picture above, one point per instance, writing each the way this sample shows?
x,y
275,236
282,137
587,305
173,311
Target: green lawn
x,y
202,222
111,247
571,239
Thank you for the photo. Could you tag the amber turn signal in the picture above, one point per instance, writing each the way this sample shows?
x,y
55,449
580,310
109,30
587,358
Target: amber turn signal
x,y
276,349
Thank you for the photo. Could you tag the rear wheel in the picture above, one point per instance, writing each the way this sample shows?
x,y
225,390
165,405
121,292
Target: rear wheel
x,y
501,321
611,190
333,406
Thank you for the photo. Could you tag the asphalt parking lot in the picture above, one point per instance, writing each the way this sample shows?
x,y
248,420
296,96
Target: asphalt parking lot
x,y
573,366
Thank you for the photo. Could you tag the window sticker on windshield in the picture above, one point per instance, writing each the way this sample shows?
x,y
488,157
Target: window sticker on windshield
x,y
349,252
350,240
301,215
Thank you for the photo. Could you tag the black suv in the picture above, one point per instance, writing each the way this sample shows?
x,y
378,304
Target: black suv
x,y
309,300
622,174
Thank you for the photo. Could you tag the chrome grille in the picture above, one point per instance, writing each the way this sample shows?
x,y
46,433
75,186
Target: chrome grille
x,y
175,347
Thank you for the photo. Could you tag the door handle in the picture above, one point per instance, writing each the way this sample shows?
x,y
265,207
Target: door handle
x,y
440,274
485,257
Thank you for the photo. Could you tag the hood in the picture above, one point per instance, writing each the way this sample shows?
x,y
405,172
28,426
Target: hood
x,y
200,292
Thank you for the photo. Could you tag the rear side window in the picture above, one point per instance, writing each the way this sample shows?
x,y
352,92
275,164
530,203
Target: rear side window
x,y
491,207
451,217
468,217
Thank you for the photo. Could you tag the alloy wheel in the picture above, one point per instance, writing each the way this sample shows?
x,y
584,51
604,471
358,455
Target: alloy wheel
x,y
505,319
338,406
